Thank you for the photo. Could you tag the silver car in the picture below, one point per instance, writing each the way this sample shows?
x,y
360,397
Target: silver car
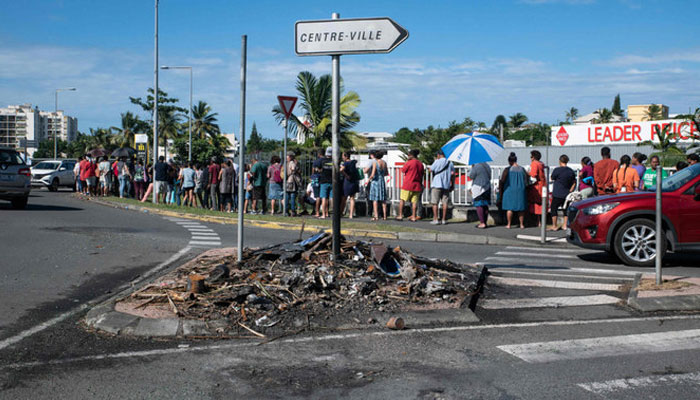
x,y
15,178
53,174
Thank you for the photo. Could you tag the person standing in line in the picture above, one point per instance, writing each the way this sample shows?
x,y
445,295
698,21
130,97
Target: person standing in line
x,y
537,174
351,183
105,172
603,172
308,198
248,181
83,174
130,177
123,177
625,178
587,184
140,179
187,176
161,180
234,186
412,186
275,191
150,179
512,194
649,178
91,177
326,182
480,174
564,179
440,186
225,185
681,165
693,158
637,164
76,175
317,169
292,178
377,189
213,186
259,179
199,184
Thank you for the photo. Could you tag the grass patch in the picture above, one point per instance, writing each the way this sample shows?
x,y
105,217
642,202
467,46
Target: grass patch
x,y
310,221
650,284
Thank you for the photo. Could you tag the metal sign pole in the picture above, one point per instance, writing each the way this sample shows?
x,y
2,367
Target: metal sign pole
x,y
285,122
545,201
336,171
660,242
189,120
155,109
241,149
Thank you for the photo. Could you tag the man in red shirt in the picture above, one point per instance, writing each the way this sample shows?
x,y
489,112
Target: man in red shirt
x,y
91,177
412,186
214,170
84,163
603,172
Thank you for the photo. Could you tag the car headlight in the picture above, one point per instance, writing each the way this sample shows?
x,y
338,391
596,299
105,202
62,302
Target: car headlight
x,y
600,208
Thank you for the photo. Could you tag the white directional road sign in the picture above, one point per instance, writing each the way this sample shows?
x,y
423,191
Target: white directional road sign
x,y
347,36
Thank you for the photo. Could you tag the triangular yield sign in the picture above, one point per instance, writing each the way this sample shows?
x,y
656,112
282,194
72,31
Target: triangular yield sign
x,y
287,103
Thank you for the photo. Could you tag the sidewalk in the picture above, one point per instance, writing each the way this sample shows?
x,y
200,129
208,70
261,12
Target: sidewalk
x,y
455,231
676,293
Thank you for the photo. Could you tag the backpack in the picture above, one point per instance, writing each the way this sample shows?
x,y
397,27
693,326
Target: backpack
x,y
277,174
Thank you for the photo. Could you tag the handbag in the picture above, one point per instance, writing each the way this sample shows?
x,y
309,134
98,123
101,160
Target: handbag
x,y
533,196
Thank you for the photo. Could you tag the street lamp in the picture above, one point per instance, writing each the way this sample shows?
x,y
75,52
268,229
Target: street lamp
x,y
189,113
70,89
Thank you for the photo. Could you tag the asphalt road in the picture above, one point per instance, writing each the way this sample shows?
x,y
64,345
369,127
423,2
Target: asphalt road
x,y
581,352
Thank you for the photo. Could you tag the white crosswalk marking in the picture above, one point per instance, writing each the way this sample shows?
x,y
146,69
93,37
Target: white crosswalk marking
x,y
555,284
200,234
515,253
204,243
205,233
605,346
619,385
515,271
565,301
539,249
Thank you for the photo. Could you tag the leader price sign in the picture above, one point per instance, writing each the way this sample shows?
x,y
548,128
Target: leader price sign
x,y
622,133
348,36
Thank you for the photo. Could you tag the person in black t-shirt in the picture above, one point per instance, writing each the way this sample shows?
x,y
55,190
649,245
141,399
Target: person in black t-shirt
x,y
161,179
564,179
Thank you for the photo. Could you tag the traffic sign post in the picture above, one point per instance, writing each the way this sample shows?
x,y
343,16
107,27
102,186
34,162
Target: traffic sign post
x,y
334,38
287,104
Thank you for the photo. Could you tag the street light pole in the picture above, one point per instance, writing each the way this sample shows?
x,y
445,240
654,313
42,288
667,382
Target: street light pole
x,y
55,112
155,107
189,113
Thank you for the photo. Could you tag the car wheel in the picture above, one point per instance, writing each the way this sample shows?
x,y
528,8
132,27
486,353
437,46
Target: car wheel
x,y
54,185
20,204
635,243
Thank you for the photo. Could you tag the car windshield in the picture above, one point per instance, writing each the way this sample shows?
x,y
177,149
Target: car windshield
x,y
10,157
46,165
677,180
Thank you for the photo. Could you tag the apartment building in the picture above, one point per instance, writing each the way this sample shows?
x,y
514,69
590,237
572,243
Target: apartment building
x,y
23,121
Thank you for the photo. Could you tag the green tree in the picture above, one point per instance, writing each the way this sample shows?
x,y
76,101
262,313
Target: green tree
x,y
404,135
45,149
428,141
665,146
653,113
617,108
202,150
535,135
168,126
130,125
255,141
315,108
572,114
604,116
516,120
165,103
204,121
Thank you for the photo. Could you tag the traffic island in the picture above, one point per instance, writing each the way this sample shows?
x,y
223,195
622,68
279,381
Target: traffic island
x,y
290,288
676,293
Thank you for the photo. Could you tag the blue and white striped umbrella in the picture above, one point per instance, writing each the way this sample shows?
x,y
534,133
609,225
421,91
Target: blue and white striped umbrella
x,y
472,148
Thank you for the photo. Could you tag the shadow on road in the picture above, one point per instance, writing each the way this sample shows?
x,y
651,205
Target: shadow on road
x,y
39,207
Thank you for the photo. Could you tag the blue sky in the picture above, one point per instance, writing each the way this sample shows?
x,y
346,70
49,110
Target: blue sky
x,y
475,58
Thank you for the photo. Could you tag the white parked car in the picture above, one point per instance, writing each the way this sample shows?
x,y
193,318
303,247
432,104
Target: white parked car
x,y
54,173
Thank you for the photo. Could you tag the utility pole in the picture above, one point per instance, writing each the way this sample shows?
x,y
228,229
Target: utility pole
x,y
241,149
335,112
155,107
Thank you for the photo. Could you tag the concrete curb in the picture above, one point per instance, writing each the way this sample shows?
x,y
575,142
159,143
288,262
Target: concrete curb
x,y
439,237
665,303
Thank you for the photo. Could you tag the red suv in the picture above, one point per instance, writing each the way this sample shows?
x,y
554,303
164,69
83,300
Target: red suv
x,y
624,224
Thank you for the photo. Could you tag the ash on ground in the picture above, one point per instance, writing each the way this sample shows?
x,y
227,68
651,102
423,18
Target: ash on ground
x,y
292,287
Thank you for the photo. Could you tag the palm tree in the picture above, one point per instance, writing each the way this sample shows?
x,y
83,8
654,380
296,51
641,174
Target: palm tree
x,y
129,127
100,138
572,114
315,105
653,113
168,126
204,121
517,119
604,116
665,143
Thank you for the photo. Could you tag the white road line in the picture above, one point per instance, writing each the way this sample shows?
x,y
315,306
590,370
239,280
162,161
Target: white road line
x,y
205,238
189,226
203,229
618,385
555,284
53,321
550,239
566,301
605,346
606,271
538,249
346,336
203,243
513,253
504,271
205,233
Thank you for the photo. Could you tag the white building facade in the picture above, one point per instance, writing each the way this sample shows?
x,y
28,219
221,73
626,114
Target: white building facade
x,y
18,122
